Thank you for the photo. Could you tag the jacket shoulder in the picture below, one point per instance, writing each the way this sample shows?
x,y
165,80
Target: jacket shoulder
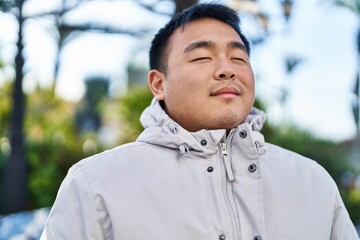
x,y
126,157
294,163
117,153
278,153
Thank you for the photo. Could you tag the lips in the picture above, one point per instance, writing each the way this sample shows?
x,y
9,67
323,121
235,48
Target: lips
x,y
225,91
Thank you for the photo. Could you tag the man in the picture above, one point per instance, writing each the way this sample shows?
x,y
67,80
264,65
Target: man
x,y
200,169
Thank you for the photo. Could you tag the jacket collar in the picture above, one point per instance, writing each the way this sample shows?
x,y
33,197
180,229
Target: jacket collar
x,y
160,129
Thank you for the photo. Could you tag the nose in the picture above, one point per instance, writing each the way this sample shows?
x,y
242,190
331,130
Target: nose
x,y
224,71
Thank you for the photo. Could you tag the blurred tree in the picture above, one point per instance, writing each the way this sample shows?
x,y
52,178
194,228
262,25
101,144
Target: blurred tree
x,y
5,108
5,111
353,188
53,144
354,6
15,168
65,31
291,63
132,105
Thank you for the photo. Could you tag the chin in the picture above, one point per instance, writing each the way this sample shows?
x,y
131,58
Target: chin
x,y
226,122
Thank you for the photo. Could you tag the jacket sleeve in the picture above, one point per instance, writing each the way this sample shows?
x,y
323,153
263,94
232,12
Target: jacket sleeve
x,y
74,214
342,228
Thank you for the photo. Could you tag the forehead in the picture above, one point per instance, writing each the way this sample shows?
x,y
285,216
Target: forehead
x,y
206,29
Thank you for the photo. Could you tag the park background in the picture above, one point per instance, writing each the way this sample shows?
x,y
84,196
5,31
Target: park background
x,y
73,83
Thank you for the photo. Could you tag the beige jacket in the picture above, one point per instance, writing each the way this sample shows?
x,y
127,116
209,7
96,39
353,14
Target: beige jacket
x,y
175,185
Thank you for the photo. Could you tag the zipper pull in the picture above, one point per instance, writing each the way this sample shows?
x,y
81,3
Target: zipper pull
x,y
227,162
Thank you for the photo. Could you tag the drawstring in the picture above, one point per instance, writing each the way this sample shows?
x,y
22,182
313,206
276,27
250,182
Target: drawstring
x,y
184,150
173,128
259,148
255,127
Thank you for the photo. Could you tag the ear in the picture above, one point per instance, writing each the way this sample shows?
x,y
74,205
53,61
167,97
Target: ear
x,y
156,81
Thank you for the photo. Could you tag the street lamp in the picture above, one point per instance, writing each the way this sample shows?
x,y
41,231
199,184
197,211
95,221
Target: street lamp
x,y
287,8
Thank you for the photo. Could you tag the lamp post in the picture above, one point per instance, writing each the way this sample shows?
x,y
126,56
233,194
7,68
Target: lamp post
x,y
287,8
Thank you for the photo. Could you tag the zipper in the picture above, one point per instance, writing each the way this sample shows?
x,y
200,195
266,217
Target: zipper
x,y
227,185
225,156
227,162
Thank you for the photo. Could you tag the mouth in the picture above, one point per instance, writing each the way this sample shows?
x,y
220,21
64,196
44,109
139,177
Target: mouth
x,y
226,92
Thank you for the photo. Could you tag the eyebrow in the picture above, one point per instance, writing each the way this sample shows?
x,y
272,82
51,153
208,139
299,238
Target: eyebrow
x,y
238,45
209,44
199,44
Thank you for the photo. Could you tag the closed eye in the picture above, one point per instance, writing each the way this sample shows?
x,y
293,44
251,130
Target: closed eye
x,y
239,59
201,59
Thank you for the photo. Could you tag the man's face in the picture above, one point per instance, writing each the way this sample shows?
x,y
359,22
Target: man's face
x,y
209,82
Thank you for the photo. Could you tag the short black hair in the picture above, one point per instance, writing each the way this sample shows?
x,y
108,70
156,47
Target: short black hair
x,y
157,57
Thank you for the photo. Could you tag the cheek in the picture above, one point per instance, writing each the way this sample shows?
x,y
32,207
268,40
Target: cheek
x,y
249,80
184,82
185,98
176,91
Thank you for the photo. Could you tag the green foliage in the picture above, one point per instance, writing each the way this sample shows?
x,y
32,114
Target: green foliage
x,y
353,5
5,107
53,141
53,144
49,129
131,107
5,111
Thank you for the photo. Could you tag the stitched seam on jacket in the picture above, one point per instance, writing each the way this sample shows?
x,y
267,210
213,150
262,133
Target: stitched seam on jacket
x,y
92,194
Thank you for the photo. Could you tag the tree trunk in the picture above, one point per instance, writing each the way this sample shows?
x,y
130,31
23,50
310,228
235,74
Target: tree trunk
x,y
15,168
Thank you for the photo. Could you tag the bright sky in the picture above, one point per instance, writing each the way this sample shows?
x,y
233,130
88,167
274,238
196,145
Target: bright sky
x,y
321,34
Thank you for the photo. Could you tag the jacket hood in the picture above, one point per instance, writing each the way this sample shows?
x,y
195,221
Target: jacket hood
x,y
160,129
